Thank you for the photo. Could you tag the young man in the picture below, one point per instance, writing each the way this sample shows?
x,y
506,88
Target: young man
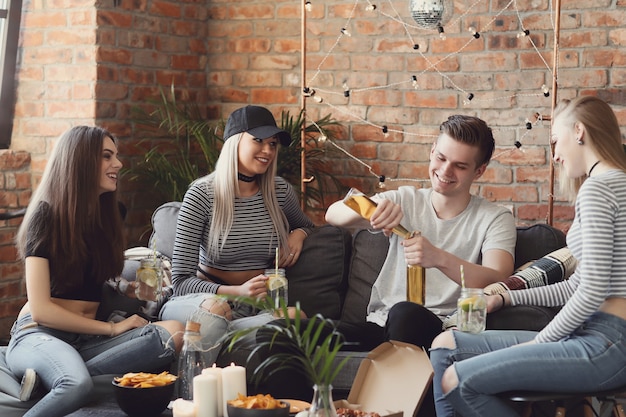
x,y
456,229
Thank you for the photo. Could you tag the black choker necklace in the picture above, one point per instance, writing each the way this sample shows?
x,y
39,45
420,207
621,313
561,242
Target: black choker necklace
x,y
592,167
245,178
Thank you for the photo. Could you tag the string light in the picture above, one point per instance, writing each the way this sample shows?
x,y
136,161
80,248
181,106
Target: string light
x,y
346,89
381,182
469,98
442,34
431,66
308,6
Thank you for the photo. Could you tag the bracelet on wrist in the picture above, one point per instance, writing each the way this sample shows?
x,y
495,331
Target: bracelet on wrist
x,y
503,300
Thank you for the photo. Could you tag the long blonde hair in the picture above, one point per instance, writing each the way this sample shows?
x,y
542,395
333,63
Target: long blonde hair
x,y
602,132
226,188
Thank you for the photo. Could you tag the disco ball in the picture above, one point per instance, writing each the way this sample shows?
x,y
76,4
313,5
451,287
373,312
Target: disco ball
x,y
429,14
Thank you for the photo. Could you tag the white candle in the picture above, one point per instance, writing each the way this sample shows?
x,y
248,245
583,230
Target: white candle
x,y
217,373
233,383
205,395
183,408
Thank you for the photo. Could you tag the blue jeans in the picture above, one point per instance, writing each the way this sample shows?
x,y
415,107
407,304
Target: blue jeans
x,y
592,358
213,327
65,361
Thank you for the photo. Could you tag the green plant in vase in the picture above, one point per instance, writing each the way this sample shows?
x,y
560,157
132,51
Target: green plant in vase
x,y
308,346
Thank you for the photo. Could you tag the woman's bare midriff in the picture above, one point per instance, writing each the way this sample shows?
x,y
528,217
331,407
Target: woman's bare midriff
x,y
230,277
615,306
84,308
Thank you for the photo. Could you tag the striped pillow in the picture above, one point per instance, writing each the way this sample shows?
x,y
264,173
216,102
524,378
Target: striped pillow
x,y
554,267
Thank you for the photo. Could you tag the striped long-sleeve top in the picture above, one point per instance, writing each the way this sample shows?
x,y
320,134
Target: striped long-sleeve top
x,y
251,243
597,240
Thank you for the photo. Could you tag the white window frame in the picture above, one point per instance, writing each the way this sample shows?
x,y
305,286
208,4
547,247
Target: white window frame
x,y
10,15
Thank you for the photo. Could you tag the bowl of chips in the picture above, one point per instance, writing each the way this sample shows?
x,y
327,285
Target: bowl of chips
x,y
257,406
144,394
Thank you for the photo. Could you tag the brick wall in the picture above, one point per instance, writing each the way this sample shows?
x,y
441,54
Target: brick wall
x,y
86,63
15,191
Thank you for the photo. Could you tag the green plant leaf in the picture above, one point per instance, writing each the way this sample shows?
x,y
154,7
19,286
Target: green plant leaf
x,y
307,346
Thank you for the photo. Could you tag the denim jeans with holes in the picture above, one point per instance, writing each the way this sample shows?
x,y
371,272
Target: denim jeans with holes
x,y
65,361
593,358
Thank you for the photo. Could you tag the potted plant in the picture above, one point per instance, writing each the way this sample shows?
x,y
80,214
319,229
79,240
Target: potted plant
x,y
308,346
188,147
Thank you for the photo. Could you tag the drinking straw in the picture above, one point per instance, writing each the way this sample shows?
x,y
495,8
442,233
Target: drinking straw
x,y
276,261
462,277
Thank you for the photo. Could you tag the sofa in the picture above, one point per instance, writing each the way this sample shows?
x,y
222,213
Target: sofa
x,y
333,277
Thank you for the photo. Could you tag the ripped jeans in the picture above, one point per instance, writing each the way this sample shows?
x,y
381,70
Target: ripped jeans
x,y
65,361
213,327
592,358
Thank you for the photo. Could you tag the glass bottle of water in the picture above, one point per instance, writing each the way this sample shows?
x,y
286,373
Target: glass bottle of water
x,y
191,361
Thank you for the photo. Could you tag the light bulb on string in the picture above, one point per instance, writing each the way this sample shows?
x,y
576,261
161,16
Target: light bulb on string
x,y
346,32
474,33
414,81
381,182
322,138
442,33
308,6
523,33
469,98
370,7
545,90
346,89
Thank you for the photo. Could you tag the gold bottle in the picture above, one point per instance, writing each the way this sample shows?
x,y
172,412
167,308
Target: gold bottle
x,y
415,274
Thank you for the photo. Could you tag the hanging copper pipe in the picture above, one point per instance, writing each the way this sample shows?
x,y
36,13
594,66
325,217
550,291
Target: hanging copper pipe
x,y
555,66
303,181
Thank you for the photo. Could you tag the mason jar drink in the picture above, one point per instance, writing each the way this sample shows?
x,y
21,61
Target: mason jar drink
x,y
277,286
149,278
472,310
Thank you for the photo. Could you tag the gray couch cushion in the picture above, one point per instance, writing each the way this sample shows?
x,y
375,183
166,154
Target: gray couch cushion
x,y
369,251
164,227
320,277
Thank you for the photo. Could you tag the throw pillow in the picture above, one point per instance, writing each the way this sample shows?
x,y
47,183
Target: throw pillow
x,y
554,267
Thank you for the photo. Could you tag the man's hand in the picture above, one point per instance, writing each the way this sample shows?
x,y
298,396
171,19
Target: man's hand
x,y
386,216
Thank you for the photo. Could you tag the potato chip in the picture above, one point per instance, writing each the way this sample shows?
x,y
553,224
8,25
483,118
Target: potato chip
x,y
259,401
145,380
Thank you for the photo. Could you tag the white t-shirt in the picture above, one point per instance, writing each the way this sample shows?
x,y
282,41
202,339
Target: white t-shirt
x,y
482,226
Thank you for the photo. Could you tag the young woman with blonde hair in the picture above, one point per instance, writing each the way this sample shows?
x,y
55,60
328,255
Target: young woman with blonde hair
x,y
229,226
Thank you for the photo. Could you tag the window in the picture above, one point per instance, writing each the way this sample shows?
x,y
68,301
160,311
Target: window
x,y
10,14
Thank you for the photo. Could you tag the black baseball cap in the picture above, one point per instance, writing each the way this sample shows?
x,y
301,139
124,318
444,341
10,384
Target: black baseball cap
x,y
257,121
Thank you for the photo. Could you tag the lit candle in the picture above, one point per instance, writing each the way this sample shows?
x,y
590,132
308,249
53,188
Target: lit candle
x,y
205,395
217,373
183,408
233,383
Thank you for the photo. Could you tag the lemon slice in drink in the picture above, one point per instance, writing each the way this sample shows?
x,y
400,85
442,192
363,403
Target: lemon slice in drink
x,y
275,283
472,303
148,277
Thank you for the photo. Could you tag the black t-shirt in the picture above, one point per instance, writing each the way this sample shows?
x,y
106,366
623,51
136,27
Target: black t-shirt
x,y
86,287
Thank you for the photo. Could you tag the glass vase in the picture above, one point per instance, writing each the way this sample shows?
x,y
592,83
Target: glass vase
x,y
322,404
